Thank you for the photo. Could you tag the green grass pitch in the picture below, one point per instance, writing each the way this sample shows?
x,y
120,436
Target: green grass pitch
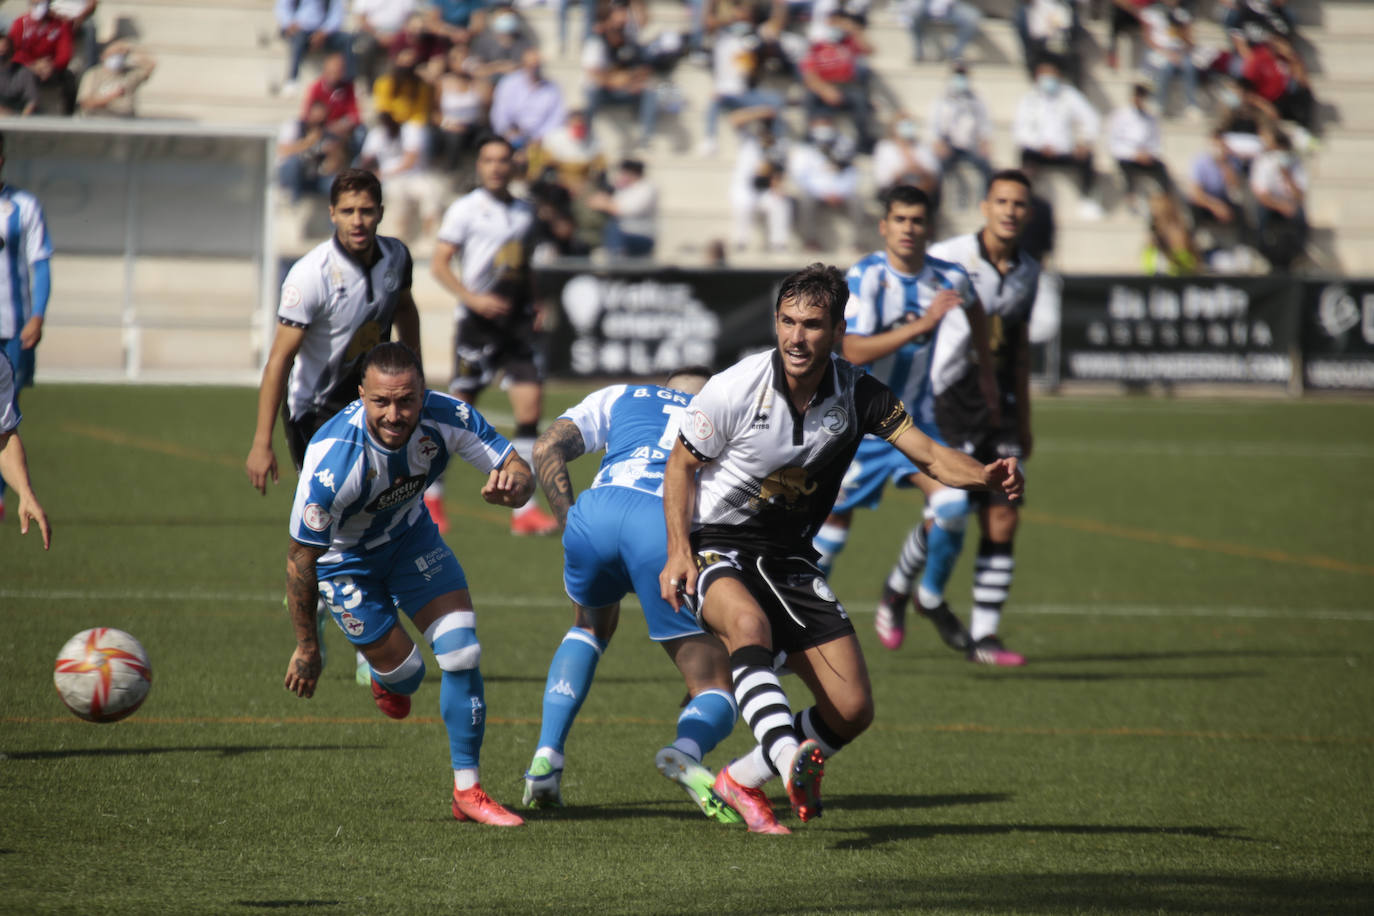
x,y
1194,732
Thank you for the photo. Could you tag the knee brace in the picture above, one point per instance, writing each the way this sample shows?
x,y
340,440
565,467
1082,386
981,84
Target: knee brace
x,y
454,640
406,677
949,508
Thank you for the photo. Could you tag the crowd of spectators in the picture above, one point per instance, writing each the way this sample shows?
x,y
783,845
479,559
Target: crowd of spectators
x,y
816,127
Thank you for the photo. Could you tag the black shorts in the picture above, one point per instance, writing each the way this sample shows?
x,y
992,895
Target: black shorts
x,y
481,349
962,415
801,609
301,430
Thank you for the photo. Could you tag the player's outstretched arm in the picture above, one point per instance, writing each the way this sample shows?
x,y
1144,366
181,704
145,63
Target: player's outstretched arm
x,y
512,484
955,469
302,598
14,468
864,349
679,499
262,461
559,444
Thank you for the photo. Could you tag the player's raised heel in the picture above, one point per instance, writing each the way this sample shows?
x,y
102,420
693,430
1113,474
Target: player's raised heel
x,y
534,522
696,780
990,651
751,804
948,626
435,507
804,781
395,705
890,618
543,785
475,805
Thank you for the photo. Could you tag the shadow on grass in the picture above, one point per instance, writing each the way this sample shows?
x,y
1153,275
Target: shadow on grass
x,y
286,904
878,835
1093,676
224,750
912,802
1130,894
1188,654
676,808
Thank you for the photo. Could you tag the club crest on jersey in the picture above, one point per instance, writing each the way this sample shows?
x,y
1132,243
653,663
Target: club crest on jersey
x,y
290,297
351,624
402,490
822,590
835,421
315,516
427,448
390,281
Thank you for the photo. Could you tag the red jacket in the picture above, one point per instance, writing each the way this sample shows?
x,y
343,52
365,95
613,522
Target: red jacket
x,y
340,100
34,40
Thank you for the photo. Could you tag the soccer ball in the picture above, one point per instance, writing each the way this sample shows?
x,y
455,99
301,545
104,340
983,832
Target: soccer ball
x,y
102,674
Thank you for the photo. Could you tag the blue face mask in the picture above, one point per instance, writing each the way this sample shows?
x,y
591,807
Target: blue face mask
x,y
1048,83
958,83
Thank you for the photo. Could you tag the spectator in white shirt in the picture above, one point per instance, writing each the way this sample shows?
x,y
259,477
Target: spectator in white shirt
x,y
1133,139
964,17
1168,31
398,155
376,25
1056,126
1279,183
900,158
1049,30
757,188
632,208
823,172
960,129
737,66
527,104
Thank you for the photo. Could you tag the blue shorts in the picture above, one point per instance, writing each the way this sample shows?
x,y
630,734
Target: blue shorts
x,y
364,592
616,543
874,465
22,360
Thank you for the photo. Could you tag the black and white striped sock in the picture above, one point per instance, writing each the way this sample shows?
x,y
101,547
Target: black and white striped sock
x,y
763,704
809,724
992,572
910,561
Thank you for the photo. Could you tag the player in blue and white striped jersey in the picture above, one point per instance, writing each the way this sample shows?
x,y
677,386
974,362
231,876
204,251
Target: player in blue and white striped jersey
x,y
898,298
360,536
13,462
25,282
615,542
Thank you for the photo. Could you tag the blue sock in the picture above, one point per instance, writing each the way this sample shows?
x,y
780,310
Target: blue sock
x,y
829,542
707,720
462,704
942,552
569,681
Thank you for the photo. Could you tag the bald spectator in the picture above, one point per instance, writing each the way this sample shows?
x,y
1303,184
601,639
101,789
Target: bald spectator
x,y
312,25
108,91
527,104
18,88
43,43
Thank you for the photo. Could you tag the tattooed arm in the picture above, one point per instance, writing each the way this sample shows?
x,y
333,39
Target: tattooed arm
x,y
302,596
560,443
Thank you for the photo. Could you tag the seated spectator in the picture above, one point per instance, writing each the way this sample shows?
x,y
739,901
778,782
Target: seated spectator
x,y
1056,126
1216,188
1049,29
461,115
570,152
1125,18
555,231
963,16
1273,17
1280,81
42,42
837,77
312,25
823,172
527,104
455,19
900,158
1278,182
758,187
617,72
1168,29
1134,141
402,93
18,88
430,48
631,209
1240,115
499,47
334,89
377,25
108,91
1170,250
737,67
638,17
398,154
79,13
960,130
308,155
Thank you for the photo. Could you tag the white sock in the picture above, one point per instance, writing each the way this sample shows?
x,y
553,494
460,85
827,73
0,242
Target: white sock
x,y
751,770
555,758
928,599
983,623
465,778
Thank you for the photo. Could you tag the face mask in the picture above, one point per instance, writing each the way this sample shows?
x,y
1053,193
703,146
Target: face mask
x,y
1230,98
741,28
907,131
1288,160
1048,83
823,134
958,83
39,12
578,131
115,62
834,35
505,24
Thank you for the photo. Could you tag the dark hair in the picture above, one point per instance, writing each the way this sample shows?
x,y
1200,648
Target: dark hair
x,y
700,371
633,165
355,180
1015,175
392,358
816,285
489,138
905,194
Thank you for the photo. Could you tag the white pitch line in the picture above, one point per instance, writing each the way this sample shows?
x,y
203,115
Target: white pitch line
x,y
1069,610
1203,449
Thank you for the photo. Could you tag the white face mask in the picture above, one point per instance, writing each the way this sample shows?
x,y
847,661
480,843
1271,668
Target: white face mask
x,y
505,24
907,131
115,62
39,12
958,83
1048,83
823,134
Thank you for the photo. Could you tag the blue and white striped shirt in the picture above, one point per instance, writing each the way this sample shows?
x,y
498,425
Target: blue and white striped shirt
x,y
24,235
637,426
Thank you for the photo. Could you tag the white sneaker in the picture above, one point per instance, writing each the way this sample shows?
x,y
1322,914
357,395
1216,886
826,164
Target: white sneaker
x,y
1089,210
